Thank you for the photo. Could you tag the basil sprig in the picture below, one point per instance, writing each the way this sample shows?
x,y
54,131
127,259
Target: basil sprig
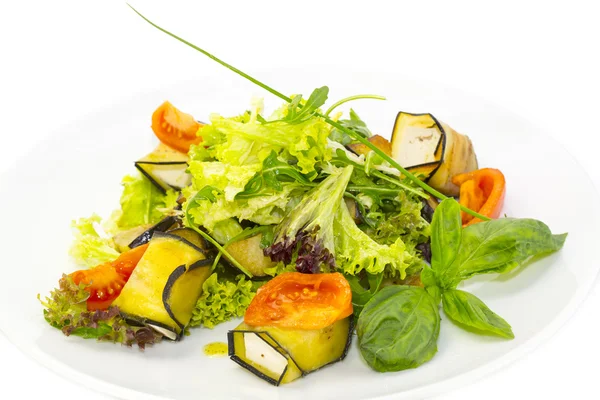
x,y
398,327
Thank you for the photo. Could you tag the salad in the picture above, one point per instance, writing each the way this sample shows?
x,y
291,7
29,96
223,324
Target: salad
x,y
307,225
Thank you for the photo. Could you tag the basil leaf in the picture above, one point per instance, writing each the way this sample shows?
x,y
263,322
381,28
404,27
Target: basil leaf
x,y
467,309
430,282
446,229
499,246
398,328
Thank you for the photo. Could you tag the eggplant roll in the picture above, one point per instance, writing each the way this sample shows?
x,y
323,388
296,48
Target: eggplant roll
x,y
165,168
167,282
433,150
280,355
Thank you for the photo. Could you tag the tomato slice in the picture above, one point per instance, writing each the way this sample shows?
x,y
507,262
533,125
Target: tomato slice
x,y
301,301
105,285
175,128
107,280
126,263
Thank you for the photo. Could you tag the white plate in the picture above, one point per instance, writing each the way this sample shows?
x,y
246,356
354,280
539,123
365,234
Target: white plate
x,y
79,170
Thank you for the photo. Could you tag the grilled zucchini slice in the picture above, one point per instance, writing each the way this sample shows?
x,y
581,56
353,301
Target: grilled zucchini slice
x,y
165,285
280,355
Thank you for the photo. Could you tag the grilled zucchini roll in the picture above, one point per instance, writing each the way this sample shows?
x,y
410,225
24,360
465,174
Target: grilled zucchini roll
x,y
432,150
166,283
296,324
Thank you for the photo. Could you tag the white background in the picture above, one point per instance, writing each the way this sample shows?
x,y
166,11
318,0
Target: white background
x,y
60,60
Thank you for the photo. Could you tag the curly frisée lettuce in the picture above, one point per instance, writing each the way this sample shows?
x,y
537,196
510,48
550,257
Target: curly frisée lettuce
x,y
355,251
89,248
222,299
66,310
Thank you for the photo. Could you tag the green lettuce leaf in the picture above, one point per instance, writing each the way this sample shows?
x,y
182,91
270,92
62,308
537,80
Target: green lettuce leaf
x,y
222,299
263,210
227,178
89,248
143,203
305,141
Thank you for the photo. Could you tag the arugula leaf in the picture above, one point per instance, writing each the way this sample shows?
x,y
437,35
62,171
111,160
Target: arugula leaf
x,y
499,246
398,329
355,124
467,309
446,231
273,172
317,98
206,193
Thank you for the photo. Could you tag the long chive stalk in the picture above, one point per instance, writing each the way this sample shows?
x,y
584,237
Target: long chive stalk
x,y
326,118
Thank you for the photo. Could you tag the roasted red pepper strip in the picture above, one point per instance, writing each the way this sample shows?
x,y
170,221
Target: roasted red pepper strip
x,y
105,281
483,191
301,301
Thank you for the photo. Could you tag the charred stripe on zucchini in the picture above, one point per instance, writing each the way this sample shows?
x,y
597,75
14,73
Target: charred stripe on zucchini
x,y
167,282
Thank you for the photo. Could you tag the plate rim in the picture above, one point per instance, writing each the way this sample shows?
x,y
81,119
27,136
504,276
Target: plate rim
x,y
102,386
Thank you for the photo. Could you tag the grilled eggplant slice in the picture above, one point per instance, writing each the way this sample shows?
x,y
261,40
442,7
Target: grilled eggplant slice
x,y
124,239
165,168
432,150
193,237
165,285
250,255
163,225
280,355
